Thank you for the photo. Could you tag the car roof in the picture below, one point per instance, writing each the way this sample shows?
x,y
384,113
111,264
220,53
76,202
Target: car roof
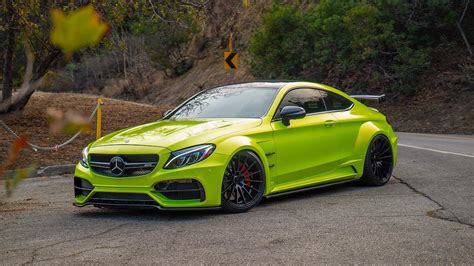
x,y
282,85
277,84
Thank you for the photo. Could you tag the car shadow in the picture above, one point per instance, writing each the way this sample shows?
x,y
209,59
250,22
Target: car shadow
x,y
144,214
312,193
90,212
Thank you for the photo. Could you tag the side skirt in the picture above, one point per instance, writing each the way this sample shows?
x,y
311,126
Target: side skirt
x,y
278,194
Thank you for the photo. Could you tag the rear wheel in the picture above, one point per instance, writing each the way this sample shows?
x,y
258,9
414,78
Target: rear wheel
x,y
243,184
378,162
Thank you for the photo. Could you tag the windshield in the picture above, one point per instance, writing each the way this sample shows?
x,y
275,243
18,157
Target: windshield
x,y
228,102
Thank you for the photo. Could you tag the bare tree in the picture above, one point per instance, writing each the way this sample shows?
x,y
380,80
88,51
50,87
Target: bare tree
x,y
8,66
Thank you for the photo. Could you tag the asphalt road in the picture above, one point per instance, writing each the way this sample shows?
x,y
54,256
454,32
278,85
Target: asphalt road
x,y
425,214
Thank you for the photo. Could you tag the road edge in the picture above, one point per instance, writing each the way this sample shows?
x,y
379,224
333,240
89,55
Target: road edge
x,y
49,170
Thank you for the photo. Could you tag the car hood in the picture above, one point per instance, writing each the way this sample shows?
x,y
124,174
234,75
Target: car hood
x,y
177,134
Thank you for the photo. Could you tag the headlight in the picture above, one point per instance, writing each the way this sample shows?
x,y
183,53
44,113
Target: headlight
x,y
85,153
189,156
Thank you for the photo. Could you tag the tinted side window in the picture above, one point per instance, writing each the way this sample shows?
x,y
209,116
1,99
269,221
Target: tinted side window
x,y
310,99
335,101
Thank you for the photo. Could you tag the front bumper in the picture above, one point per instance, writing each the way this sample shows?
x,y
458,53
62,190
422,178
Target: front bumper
x,y
208,173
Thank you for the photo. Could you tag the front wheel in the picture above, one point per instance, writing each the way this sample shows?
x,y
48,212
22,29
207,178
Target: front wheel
x,y
243,184
378,162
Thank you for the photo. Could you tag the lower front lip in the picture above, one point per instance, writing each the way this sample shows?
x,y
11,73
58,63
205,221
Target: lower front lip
x,y
208,172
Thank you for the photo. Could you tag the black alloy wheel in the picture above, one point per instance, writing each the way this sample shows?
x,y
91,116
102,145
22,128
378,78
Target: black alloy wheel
x,y
378,162
243,184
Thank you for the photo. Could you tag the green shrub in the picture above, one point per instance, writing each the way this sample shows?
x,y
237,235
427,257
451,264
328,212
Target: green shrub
x,y
362,45
279,45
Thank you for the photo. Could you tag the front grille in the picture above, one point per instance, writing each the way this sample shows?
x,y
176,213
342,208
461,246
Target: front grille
x,y
129,165
122,199
183,189
82,187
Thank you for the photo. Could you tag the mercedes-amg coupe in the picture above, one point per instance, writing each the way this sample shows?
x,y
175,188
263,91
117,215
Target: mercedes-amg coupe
x,y
230,146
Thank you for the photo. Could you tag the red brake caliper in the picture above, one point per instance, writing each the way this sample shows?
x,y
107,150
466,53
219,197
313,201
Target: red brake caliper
x,y
246,173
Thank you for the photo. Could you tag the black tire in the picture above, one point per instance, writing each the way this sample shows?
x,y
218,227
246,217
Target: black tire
x,y
378,164
243,184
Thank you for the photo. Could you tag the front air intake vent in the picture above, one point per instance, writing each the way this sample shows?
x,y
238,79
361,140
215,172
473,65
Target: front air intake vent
x,y
123,165
122,199
182,189
82,187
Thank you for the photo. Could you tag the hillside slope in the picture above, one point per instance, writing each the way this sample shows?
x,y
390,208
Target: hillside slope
x,y
33,124
443,103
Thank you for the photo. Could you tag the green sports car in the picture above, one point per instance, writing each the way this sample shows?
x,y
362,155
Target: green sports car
x,y
230,146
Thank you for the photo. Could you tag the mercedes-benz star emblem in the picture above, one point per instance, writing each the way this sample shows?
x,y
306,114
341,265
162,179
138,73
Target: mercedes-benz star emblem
x,y
117,166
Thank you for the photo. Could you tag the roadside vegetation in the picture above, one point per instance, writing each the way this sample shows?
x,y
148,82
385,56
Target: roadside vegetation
x,y
364,45
142,37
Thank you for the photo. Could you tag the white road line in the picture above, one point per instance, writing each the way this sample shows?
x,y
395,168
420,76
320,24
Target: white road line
x,y
445,152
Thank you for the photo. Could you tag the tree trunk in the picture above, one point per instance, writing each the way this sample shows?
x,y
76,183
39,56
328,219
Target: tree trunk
x,y
39,73
8,67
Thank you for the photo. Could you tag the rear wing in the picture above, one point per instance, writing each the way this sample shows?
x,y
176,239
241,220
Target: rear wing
x,y
377,98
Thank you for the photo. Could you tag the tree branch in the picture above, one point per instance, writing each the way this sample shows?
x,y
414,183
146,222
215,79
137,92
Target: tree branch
x,y
193,4
162,18
458,23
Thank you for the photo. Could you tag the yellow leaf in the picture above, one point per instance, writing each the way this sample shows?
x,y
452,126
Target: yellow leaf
x,y
78,29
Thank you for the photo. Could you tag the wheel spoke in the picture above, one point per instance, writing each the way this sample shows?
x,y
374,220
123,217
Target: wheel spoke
x,y
248,193
249,167
234,167
245,162
231,192
254,180
256,172
385,157
387,149
252,188
379,174
225,190
243,195
238,172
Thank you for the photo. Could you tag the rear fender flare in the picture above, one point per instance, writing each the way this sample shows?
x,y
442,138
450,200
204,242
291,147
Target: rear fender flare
x,y
367,133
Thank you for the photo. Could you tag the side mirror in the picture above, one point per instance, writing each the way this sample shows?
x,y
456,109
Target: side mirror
x,y
291,112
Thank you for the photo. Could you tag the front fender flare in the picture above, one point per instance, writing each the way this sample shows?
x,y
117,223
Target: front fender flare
x,y
232,146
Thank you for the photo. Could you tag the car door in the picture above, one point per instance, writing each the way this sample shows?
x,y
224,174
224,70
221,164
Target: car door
x,y
305,148
348,124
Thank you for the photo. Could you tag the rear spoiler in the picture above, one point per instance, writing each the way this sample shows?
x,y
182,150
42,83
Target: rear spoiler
x,y
378,98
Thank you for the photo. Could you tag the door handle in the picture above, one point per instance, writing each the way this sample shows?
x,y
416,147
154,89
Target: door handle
x,y
329,123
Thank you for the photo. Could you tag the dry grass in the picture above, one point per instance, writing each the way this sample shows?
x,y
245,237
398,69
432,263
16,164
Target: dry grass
x,y
32,123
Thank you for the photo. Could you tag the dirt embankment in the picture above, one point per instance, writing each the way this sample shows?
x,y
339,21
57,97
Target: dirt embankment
x,y
444,101
33,124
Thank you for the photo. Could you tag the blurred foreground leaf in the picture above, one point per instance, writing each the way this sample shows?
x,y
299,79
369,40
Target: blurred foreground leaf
x,y
68,123
14,179
19,143
78,29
